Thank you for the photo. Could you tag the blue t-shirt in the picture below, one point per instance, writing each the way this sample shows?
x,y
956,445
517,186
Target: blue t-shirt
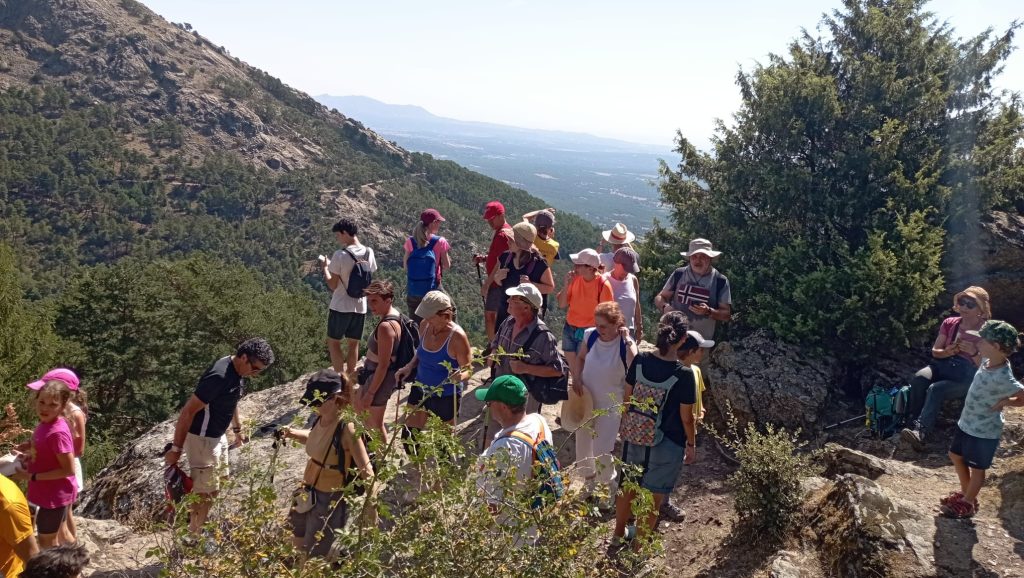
x,y
988,387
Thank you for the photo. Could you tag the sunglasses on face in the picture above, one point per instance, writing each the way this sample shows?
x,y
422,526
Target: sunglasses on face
x,y
968,303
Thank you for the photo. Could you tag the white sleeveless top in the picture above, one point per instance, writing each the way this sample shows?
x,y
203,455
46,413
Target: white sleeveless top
x,y
603,371
625,295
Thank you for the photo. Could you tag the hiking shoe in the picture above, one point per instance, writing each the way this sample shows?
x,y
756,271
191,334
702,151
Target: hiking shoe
x,y
672,512
913,437
958,508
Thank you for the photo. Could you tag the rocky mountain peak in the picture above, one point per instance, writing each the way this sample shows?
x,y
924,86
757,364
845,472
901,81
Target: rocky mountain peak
x,y
121,53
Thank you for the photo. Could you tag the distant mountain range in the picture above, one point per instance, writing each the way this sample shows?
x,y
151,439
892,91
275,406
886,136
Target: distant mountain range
x,y
604,180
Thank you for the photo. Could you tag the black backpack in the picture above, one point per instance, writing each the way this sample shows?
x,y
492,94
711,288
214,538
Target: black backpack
x,y
360,277
546,390
408,341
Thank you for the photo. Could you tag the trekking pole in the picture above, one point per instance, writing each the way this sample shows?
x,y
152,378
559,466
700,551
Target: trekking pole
x,y
845,421
278,437
480,278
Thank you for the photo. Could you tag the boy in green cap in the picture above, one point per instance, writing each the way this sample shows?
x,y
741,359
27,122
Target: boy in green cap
x,y
981,422
508,454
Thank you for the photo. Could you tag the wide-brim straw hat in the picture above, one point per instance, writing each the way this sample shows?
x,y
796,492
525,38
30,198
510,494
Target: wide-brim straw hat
x,y
618,235
577,410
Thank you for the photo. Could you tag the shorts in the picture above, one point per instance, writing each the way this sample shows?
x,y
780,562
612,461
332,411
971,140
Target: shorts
x,y
412,303
345,325
329,513
386,388
976,452
660,467
48,520
445,407
495,296
572,337
207,461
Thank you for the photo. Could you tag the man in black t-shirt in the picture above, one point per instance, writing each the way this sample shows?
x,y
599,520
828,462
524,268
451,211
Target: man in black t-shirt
x,y
203,422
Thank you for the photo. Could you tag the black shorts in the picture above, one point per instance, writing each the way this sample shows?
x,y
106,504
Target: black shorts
x,y
976,452
446,407
345,325
48,520
494,299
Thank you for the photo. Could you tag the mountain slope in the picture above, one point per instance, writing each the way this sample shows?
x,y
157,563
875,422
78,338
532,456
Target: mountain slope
x,y
187,148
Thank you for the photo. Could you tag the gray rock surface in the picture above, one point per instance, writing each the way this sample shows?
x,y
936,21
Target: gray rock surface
x,y
995,261
767,381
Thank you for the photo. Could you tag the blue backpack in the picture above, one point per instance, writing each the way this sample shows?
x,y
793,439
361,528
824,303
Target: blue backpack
x,y
592,339
422,268
546,469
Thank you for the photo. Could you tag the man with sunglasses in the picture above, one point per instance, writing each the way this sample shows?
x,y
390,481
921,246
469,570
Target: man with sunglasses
x,y
203,422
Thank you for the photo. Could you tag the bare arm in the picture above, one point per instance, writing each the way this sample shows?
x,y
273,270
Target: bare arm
x,y
78,431
547,282
942,349
386,335
332,280
299,435
563,295
27,548
689,424
528,217
355,448
193,406
65,468
462,352
446,261
638,314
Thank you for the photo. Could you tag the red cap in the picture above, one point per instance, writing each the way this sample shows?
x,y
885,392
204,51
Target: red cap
x,y
493,209
429,216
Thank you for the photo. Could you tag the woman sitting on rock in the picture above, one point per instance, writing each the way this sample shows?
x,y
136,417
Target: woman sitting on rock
x,y
334,451
954,362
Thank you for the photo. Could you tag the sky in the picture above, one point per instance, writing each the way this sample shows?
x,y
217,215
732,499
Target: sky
x,y
637,70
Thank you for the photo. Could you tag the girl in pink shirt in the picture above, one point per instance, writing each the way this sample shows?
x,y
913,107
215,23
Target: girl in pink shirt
x,y
51,462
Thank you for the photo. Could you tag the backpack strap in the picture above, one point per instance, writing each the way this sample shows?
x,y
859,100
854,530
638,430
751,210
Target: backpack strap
x,y
533,336
433,241
622,347
340,451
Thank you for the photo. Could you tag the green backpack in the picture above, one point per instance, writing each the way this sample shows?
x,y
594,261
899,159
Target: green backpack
x,y
885,410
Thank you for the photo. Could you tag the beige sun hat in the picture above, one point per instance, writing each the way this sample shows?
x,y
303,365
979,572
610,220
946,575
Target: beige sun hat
x,y
577,410
701,246
618,235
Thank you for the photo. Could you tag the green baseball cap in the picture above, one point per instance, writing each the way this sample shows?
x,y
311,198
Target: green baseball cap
x,y
507,389
999,332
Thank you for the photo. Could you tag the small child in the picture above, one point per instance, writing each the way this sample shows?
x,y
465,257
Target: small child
x,y
981,422
690,355
51,462
67,561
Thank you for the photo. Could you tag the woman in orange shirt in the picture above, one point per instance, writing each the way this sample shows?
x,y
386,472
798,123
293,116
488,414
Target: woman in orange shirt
x,y
581,293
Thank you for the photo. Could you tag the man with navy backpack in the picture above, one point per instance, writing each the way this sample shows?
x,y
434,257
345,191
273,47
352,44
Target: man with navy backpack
x,y
347,273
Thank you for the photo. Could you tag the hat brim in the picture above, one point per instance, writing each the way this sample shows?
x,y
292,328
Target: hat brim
x,y
575,258
973,332
515,292
707,252
36,385
577,410
630,237
481,393
424,310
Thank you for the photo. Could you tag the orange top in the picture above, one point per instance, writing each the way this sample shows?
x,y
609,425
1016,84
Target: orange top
x,y
583,297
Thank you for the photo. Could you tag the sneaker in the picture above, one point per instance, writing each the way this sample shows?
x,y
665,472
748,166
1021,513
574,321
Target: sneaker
x,y
672,512
913,437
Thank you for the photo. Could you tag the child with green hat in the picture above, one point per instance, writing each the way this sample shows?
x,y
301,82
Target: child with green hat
x,y
981,422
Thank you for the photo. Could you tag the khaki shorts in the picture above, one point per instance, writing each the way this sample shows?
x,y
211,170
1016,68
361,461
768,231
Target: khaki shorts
x,y
207,461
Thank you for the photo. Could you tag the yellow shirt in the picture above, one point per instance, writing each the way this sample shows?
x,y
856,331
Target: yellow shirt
x,y
15,526
698,407
317,444
548,248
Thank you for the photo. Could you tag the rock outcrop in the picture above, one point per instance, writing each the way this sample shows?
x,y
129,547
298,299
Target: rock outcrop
x,y
767,381
995,261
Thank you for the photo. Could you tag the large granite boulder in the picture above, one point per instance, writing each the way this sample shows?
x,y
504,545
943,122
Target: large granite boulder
x,y
767,381
993,259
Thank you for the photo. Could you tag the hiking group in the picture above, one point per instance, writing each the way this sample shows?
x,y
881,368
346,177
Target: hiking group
x,y
649,401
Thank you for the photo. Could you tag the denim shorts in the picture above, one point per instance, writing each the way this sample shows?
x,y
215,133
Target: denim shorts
x,y
976,452
572,337
660,467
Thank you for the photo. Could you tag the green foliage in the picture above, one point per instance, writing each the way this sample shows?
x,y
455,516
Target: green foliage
x,y
444,528
855,166
144,332
767,486
28,345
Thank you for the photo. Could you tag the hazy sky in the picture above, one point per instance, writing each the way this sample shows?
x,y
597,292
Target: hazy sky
x,y
631,69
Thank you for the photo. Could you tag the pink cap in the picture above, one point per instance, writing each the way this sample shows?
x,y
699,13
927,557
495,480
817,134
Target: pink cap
x,y
60,374
493,209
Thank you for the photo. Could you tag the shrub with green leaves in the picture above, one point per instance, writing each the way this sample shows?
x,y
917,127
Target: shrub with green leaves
x,y
767,486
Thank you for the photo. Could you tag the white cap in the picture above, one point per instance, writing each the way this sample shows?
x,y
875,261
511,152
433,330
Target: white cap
x,y
527,291
701,342
586,257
